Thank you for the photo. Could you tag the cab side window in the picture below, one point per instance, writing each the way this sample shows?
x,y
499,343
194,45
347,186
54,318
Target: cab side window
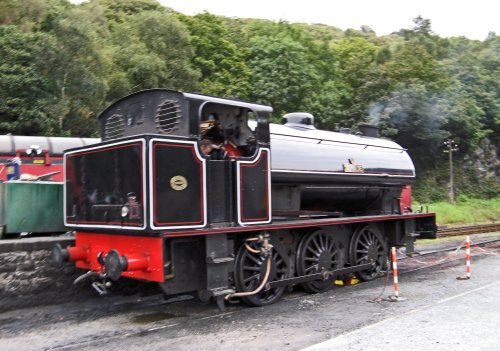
x,y
226,128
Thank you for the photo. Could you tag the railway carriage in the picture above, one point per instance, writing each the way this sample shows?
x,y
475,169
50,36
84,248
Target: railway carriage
x,y
267,207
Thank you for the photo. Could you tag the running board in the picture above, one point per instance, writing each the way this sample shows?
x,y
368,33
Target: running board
x,y
326,275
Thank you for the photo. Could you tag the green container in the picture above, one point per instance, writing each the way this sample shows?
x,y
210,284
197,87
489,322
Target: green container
x,y
32,207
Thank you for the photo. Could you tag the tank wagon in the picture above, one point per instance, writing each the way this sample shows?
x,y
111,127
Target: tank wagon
x,y
35,155
31,174
204,196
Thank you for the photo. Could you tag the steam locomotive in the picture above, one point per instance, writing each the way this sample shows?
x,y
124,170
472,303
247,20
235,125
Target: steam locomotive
x,y
266,207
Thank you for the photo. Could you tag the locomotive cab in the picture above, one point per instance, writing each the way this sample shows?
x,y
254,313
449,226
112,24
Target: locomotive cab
x,y
151,172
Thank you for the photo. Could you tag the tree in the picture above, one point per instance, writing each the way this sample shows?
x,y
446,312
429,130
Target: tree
x,y
412,64
151,49
422,35
222,66
357,73
80,68
281,73
28,100
119,11
327,105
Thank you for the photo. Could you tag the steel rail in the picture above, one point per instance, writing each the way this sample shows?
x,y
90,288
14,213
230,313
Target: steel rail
x,y
470,229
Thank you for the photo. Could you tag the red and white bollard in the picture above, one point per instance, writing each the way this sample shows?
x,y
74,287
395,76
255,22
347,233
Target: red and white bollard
x,y
467,257
467,260
395,273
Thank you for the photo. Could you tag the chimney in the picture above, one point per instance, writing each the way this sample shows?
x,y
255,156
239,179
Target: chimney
x,y
369,130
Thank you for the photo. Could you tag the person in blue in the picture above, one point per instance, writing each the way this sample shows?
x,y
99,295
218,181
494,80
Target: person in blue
x,y
13,168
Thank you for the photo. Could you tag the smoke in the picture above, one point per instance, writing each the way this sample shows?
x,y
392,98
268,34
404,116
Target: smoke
x,y
375,110
410,112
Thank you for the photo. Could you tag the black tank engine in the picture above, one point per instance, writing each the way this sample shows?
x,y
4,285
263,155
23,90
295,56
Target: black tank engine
x,y
203,195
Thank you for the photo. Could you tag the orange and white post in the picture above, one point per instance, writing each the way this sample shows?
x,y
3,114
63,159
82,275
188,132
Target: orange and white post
x,y
467,257
395,272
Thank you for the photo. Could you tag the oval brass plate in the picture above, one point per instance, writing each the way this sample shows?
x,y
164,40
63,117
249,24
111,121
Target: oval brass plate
x,y
178,182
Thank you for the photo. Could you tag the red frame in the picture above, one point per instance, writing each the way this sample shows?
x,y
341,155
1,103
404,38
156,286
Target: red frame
x,y
299,223
126,245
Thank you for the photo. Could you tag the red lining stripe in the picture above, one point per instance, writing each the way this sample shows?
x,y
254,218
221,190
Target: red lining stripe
x,y
295,224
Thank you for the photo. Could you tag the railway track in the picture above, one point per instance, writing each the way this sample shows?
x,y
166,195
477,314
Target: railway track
x,y
470,229
466,230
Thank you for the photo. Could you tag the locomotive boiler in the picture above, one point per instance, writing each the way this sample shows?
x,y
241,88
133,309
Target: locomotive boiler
x,y
204,196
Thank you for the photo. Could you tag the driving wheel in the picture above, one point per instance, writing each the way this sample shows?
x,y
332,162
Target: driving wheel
x,y
318,252
368,245
250,270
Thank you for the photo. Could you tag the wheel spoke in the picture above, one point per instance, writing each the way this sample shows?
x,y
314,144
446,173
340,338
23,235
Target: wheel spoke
x,y
310,268
252,277
323,240
315,242
366,238
251,268
367,246
334,254
363,258
332,244
316,253
256,260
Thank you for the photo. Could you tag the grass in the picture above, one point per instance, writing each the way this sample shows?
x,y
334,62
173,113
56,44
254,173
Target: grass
x,y
466,211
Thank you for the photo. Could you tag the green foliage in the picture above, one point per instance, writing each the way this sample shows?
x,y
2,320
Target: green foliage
x,y
467,211
433,185
326,105
323,33
118,11
151,49
79,68
60,64
475,67
222,66
282,75
412,64
356,59
28,97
